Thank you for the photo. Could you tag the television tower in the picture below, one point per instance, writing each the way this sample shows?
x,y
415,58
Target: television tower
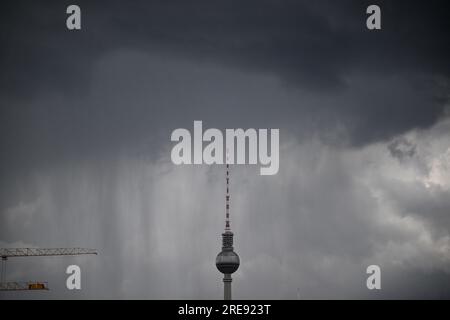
x,y
227,261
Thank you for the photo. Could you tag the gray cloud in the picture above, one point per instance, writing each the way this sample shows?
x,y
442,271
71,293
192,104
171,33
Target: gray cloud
x,y
401,149
310,231
85,121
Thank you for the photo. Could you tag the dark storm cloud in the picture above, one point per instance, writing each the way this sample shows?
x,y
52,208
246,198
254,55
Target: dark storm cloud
x,y
309,46
311,43
86,116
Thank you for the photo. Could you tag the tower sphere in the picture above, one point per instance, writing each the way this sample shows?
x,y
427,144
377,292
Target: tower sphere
x,y
227,261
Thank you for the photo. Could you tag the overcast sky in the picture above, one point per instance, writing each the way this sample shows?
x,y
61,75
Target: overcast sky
x,y
85,124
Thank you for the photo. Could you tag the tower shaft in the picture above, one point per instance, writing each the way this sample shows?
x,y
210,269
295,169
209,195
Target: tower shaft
x,y
227,286
227,201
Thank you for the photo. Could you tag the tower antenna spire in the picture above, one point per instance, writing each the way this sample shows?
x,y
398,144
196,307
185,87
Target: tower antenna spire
x,y
227,196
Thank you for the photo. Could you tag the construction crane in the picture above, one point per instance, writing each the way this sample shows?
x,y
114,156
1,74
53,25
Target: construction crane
x,y
6,253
